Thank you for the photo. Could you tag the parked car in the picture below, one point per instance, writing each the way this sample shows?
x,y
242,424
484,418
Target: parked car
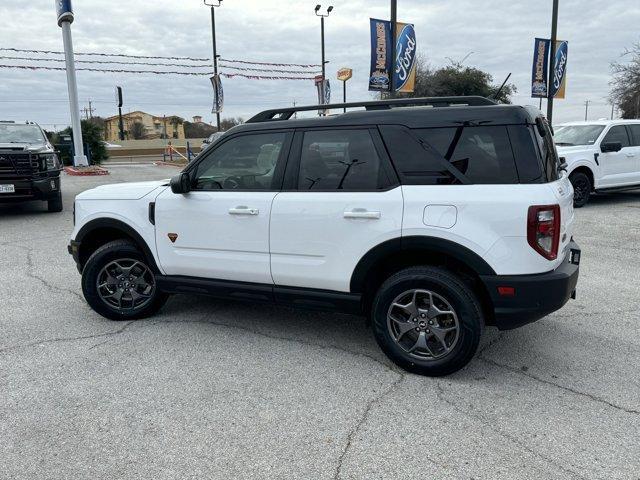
x,y
29,166
601,156
433,222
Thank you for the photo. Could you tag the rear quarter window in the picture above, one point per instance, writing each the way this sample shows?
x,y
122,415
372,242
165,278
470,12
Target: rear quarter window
x,y
482,154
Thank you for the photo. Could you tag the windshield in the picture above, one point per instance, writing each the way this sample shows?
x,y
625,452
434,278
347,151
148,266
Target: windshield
x,y
20,134
570,135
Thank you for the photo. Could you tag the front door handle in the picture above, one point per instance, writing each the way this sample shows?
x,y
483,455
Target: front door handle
x,y
362,213
630,155
243,210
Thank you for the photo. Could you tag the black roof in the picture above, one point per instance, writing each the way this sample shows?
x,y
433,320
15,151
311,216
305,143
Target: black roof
x,y
413,113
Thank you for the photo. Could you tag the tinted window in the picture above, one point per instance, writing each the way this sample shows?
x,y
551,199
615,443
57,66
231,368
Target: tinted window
x,y
635,133
246,162
340,160
482,154
526,154
548,151
617,134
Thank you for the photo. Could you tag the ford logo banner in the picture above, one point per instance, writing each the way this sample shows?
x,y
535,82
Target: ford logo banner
x,y
379,72
405,68
557,86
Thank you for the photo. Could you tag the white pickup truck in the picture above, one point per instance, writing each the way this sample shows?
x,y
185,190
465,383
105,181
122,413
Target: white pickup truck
x,y
602,155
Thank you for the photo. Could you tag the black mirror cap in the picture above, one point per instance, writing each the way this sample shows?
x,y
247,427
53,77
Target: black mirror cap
x,y
611,147
180,183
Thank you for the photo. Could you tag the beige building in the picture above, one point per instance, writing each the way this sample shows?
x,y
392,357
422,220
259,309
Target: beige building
x,y
141,125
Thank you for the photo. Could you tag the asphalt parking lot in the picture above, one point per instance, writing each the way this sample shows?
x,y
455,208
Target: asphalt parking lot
x,y
214,389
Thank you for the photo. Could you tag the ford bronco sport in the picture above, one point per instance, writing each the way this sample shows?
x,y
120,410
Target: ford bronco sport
x,y
29,167
434,217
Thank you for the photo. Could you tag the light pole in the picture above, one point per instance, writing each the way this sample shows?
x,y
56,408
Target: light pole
x,y
322,17
213,4
65,19
554,35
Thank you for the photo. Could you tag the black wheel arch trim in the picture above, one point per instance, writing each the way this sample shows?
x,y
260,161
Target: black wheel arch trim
x,y
431,244
128,230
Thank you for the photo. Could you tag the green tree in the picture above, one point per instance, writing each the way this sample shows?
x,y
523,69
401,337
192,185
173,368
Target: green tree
x,y
92,137
454,80
625,91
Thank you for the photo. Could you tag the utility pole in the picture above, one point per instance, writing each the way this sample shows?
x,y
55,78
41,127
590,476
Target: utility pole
x,y
586,110
554,35
392,73
65,19
613,106
213,4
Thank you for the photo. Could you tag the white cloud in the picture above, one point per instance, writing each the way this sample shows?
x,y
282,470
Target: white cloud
x,y
499,32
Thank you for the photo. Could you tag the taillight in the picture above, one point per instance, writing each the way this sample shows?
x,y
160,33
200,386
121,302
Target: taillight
x,y
543,230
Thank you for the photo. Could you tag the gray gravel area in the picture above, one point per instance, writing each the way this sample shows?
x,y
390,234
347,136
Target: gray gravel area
x,y
215,389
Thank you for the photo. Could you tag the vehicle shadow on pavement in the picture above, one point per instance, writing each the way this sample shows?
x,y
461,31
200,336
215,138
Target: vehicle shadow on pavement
x,y
612,198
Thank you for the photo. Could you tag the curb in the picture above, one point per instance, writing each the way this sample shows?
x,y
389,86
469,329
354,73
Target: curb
x,y
86,171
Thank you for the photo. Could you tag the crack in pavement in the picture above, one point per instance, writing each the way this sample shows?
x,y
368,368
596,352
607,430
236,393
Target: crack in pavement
x,y
590,396
30,271
441,395
67,339
363,418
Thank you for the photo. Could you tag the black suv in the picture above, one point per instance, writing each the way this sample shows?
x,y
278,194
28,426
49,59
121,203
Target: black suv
x,y
29,167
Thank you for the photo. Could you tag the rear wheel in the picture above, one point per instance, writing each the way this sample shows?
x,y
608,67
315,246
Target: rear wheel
x,y
581,188
55,204
119,284
427,320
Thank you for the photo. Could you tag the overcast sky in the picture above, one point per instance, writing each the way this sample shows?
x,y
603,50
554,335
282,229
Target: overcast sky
x,y
500,34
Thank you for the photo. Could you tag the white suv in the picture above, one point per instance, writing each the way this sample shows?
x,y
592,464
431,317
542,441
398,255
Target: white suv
x,y
600,156
434,220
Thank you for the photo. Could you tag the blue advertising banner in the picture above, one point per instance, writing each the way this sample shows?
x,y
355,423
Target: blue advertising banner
x,y
540,72
379,77
558,83
64,10
405,68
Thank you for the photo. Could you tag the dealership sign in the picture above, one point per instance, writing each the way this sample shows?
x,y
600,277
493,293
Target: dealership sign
x,y
403,67
218,94
345,74
540,87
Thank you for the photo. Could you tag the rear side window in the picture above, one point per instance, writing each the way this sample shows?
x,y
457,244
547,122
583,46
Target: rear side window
x,y
635,134
340,160
523,143
481,154
548,151
617,134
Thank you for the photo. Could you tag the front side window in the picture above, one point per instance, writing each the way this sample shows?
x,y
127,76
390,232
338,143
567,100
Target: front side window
x,y
617,134
246,162
340,160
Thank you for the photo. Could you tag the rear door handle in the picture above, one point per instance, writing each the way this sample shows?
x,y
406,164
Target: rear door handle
x,y
362,213
243,210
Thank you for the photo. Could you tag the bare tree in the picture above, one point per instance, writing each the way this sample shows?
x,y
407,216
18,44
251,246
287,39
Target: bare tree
x,y
137,131
625,91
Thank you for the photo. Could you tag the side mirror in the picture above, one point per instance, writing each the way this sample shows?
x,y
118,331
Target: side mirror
x,y
180,183
563,164
611,147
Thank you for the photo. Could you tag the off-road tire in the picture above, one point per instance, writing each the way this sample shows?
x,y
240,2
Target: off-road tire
x,y
446,286
101,258
55,204
581,188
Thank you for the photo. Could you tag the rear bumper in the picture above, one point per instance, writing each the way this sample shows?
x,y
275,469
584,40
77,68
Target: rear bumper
x,y
43,188
535,296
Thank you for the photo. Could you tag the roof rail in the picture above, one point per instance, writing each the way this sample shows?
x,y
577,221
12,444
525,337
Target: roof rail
x,y
287,113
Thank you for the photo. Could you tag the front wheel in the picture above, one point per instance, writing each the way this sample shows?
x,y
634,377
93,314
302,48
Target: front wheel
x,y
427,320
581,188
118,283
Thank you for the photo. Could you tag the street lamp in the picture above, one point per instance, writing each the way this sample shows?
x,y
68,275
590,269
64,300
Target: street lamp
x,y
213,4
322,16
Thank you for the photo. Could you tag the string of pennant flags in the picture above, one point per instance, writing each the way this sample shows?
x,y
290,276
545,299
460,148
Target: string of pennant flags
x,y
154,72
158,57
151,64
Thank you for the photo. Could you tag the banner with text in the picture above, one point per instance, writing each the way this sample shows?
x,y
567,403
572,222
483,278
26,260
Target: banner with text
x,y
540,72
379,76
404,79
